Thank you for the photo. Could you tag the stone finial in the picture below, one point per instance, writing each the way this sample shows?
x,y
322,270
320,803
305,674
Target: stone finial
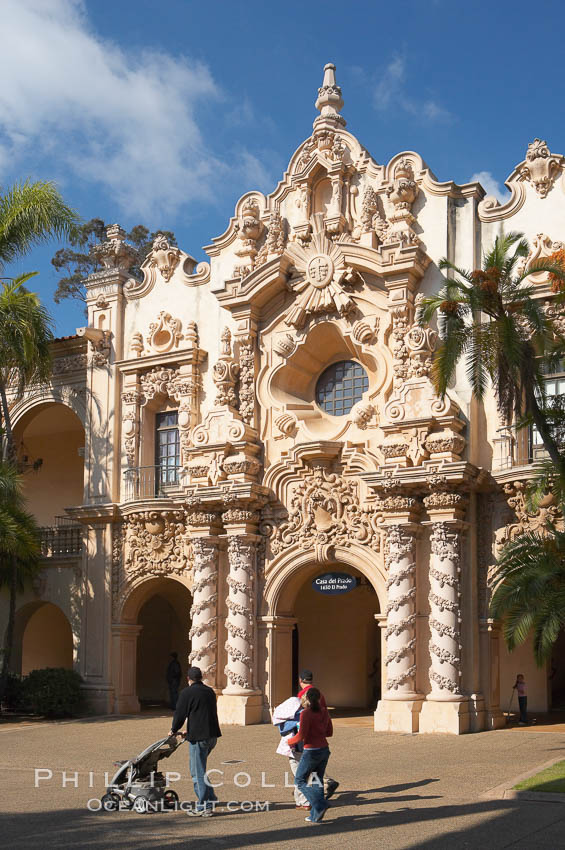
x,y
329,102
114,253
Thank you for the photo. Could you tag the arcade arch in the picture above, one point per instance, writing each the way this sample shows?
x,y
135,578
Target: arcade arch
x,y
155,622
43,637
49,438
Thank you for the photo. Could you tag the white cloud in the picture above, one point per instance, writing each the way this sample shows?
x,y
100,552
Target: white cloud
x,y
124,120
390,91
490,185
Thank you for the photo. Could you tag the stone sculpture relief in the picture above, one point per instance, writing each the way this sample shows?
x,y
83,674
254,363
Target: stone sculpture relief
x,y
541,167
325,511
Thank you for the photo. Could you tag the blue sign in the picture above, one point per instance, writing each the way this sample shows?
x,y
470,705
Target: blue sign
x,y
334,583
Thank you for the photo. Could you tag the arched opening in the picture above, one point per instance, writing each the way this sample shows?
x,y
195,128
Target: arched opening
x,y
50,442
336,635
42,638
160,609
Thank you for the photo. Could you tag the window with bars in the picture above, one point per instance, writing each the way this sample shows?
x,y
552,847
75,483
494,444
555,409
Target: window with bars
x,y
167,447
341,386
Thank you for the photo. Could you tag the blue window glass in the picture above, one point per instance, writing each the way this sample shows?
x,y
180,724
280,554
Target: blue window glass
x,y
341,386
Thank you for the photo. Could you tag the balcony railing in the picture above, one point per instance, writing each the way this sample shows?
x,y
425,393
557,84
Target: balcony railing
x,y
62,539
150,482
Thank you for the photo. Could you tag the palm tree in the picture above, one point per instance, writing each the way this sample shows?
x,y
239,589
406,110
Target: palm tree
x,y
19,551
25,356
489,318
32,213
529,593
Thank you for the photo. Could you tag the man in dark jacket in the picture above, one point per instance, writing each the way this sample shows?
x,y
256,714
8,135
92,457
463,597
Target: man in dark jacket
x,y
197,705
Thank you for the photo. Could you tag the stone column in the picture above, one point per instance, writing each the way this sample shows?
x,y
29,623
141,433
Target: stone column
x,y
204,611
241,701
401,703
124,639
446,708
275,660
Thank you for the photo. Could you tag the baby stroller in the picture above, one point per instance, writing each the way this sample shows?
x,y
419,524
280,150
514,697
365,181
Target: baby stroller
x,y
138,785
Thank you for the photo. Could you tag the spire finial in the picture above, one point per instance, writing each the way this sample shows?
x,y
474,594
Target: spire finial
x,y
329,101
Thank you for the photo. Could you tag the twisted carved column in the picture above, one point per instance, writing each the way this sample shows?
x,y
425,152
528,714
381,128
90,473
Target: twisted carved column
x,y
401,612
241,616
445,619
203,632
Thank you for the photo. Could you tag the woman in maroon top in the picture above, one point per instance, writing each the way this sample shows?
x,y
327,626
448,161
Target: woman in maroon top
x,y
315,728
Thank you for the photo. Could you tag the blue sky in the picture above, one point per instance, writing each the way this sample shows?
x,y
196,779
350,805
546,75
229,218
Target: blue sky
x,y
165,113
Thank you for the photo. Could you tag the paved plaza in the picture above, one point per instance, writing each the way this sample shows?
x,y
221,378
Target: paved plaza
x,y
397,791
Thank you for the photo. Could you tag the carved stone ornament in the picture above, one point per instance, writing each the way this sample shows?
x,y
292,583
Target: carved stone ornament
x,y
166,382
225,373
165,333
404,189
325,511
365,332
249,228
541,247
247,378
164,256
114,253
323,278
536,521
285,345
362,413
156,543
274,243
100,349
69,363
541,167
287,423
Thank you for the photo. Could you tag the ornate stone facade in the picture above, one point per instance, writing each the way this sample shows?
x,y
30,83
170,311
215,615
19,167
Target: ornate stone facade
x,y
270,476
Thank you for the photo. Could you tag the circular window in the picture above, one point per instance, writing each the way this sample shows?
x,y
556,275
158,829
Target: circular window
x,y
340,386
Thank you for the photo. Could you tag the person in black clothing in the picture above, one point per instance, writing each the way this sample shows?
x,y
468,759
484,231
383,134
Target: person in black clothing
x,y
197,705
174,674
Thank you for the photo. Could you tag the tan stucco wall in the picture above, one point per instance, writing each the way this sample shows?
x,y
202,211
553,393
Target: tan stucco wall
x,y
47,640
521,660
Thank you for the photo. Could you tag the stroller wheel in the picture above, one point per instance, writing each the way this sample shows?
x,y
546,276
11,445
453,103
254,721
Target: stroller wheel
x,y
140,805
110,802
170,799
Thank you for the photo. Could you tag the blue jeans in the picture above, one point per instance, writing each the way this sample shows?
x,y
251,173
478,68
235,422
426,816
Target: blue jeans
x,y
199,752
523,703
313,762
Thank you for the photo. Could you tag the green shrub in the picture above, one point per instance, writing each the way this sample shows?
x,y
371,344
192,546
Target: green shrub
x,y
14,692
53,692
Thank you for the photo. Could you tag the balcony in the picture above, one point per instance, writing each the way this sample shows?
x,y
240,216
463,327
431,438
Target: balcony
x,y
63,539
151,482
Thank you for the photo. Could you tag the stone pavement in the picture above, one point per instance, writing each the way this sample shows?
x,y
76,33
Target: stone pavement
x,y
397,791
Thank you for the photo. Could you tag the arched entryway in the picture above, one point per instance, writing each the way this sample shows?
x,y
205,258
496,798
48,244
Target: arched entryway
x,y
42,638
337,636
155,622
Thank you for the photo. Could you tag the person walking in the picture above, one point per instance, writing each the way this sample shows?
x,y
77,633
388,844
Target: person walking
x,y
287,717
306,680
315,728
174,674
520,686
197,706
